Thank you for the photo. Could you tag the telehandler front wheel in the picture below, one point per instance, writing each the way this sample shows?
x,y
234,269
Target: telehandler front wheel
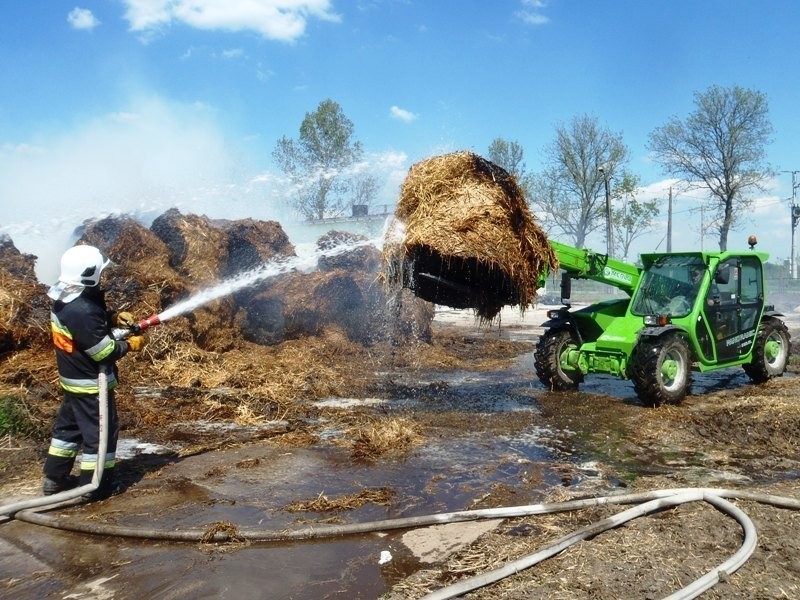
x,y
770,351
661,369
552,344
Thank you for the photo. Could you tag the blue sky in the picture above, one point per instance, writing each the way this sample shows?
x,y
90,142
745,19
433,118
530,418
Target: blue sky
x,y
114,106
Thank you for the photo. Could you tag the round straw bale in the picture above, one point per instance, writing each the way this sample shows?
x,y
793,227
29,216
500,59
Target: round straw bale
x,y
359,258
251,243
470,240
198,249
24,306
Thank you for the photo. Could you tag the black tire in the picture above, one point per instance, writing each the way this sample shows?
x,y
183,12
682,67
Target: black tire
x,y
770,351
661,369
549,348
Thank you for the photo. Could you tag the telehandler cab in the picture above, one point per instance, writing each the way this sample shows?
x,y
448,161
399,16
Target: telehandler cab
x,y
687,311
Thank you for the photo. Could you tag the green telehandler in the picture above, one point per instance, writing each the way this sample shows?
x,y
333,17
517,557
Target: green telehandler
x,y
686,311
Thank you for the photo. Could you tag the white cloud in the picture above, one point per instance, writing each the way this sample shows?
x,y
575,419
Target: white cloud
x,y
402,114
233,53
82,18
281,20
531,12
263,74
533,18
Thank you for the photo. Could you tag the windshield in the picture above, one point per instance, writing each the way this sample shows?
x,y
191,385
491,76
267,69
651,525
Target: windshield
x,y
669,286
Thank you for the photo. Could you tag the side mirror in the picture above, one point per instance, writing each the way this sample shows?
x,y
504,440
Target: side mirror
x,y
723,275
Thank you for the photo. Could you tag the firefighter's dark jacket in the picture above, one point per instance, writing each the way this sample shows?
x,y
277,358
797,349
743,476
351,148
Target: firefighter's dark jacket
x,y
82,337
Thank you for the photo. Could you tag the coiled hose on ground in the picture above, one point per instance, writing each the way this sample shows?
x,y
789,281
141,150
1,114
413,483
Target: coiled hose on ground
x,y
648,502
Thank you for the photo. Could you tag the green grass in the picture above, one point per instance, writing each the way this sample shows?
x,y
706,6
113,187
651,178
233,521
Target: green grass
x,y
15,417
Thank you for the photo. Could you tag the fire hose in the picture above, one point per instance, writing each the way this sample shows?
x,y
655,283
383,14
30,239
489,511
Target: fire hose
x,y
650,502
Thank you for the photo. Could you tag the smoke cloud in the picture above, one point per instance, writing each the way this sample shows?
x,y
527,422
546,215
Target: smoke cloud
x,y
153,156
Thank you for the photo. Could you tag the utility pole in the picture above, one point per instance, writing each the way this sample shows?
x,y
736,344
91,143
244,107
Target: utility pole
x,y
702,226
669,221
795,217
609,229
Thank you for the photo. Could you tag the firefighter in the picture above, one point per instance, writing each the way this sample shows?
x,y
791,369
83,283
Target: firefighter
x,y
81,327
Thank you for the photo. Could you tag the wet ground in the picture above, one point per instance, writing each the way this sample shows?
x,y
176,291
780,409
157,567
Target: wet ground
x,y
490,438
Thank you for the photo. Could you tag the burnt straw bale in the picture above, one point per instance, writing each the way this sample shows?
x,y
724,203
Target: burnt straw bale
x,y
350,252
24,307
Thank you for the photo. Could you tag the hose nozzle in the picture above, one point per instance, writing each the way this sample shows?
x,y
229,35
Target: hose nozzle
x,y
122,333
147,323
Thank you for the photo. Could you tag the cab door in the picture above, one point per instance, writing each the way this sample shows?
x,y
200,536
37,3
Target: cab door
x,y
733,305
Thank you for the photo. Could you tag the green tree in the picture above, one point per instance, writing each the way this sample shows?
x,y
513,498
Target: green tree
x,y
511,156
721,146
631,218
317,162
569,194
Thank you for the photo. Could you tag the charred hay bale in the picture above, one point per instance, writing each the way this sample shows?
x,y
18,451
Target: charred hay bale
x,y
302,304
397,317
393,315
198,249
24,306
141,278
358,258
470,240
406,317
18,265
298,305
251,243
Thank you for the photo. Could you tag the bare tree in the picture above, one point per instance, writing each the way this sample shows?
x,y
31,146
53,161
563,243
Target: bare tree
x,y
511,156
318,160
720,146
365,189
632,218
569,195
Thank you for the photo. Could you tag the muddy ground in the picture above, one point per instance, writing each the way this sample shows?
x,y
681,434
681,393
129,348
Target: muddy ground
x,y
394,432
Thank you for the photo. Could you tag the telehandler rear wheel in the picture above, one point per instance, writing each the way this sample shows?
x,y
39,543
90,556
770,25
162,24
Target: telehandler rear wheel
x,y
661,369
770,351
552,344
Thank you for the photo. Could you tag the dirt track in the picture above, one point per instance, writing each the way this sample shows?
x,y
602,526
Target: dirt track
x,y
488,435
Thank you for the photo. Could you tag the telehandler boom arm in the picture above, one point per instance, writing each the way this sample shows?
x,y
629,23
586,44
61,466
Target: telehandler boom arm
x,y
588,264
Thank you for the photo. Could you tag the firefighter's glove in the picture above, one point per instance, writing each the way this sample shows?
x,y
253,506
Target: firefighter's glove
x,y
136,343
126,319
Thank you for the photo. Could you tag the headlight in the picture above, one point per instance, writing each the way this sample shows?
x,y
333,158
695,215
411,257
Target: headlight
x,y
656,320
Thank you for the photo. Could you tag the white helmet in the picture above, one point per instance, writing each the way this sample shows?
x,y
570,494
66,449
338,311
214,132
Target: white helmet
x,y
81,267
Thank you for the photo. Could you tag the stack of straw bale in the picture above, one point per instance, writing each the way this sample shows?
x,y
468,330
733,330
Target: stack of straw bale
x,y
470,240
